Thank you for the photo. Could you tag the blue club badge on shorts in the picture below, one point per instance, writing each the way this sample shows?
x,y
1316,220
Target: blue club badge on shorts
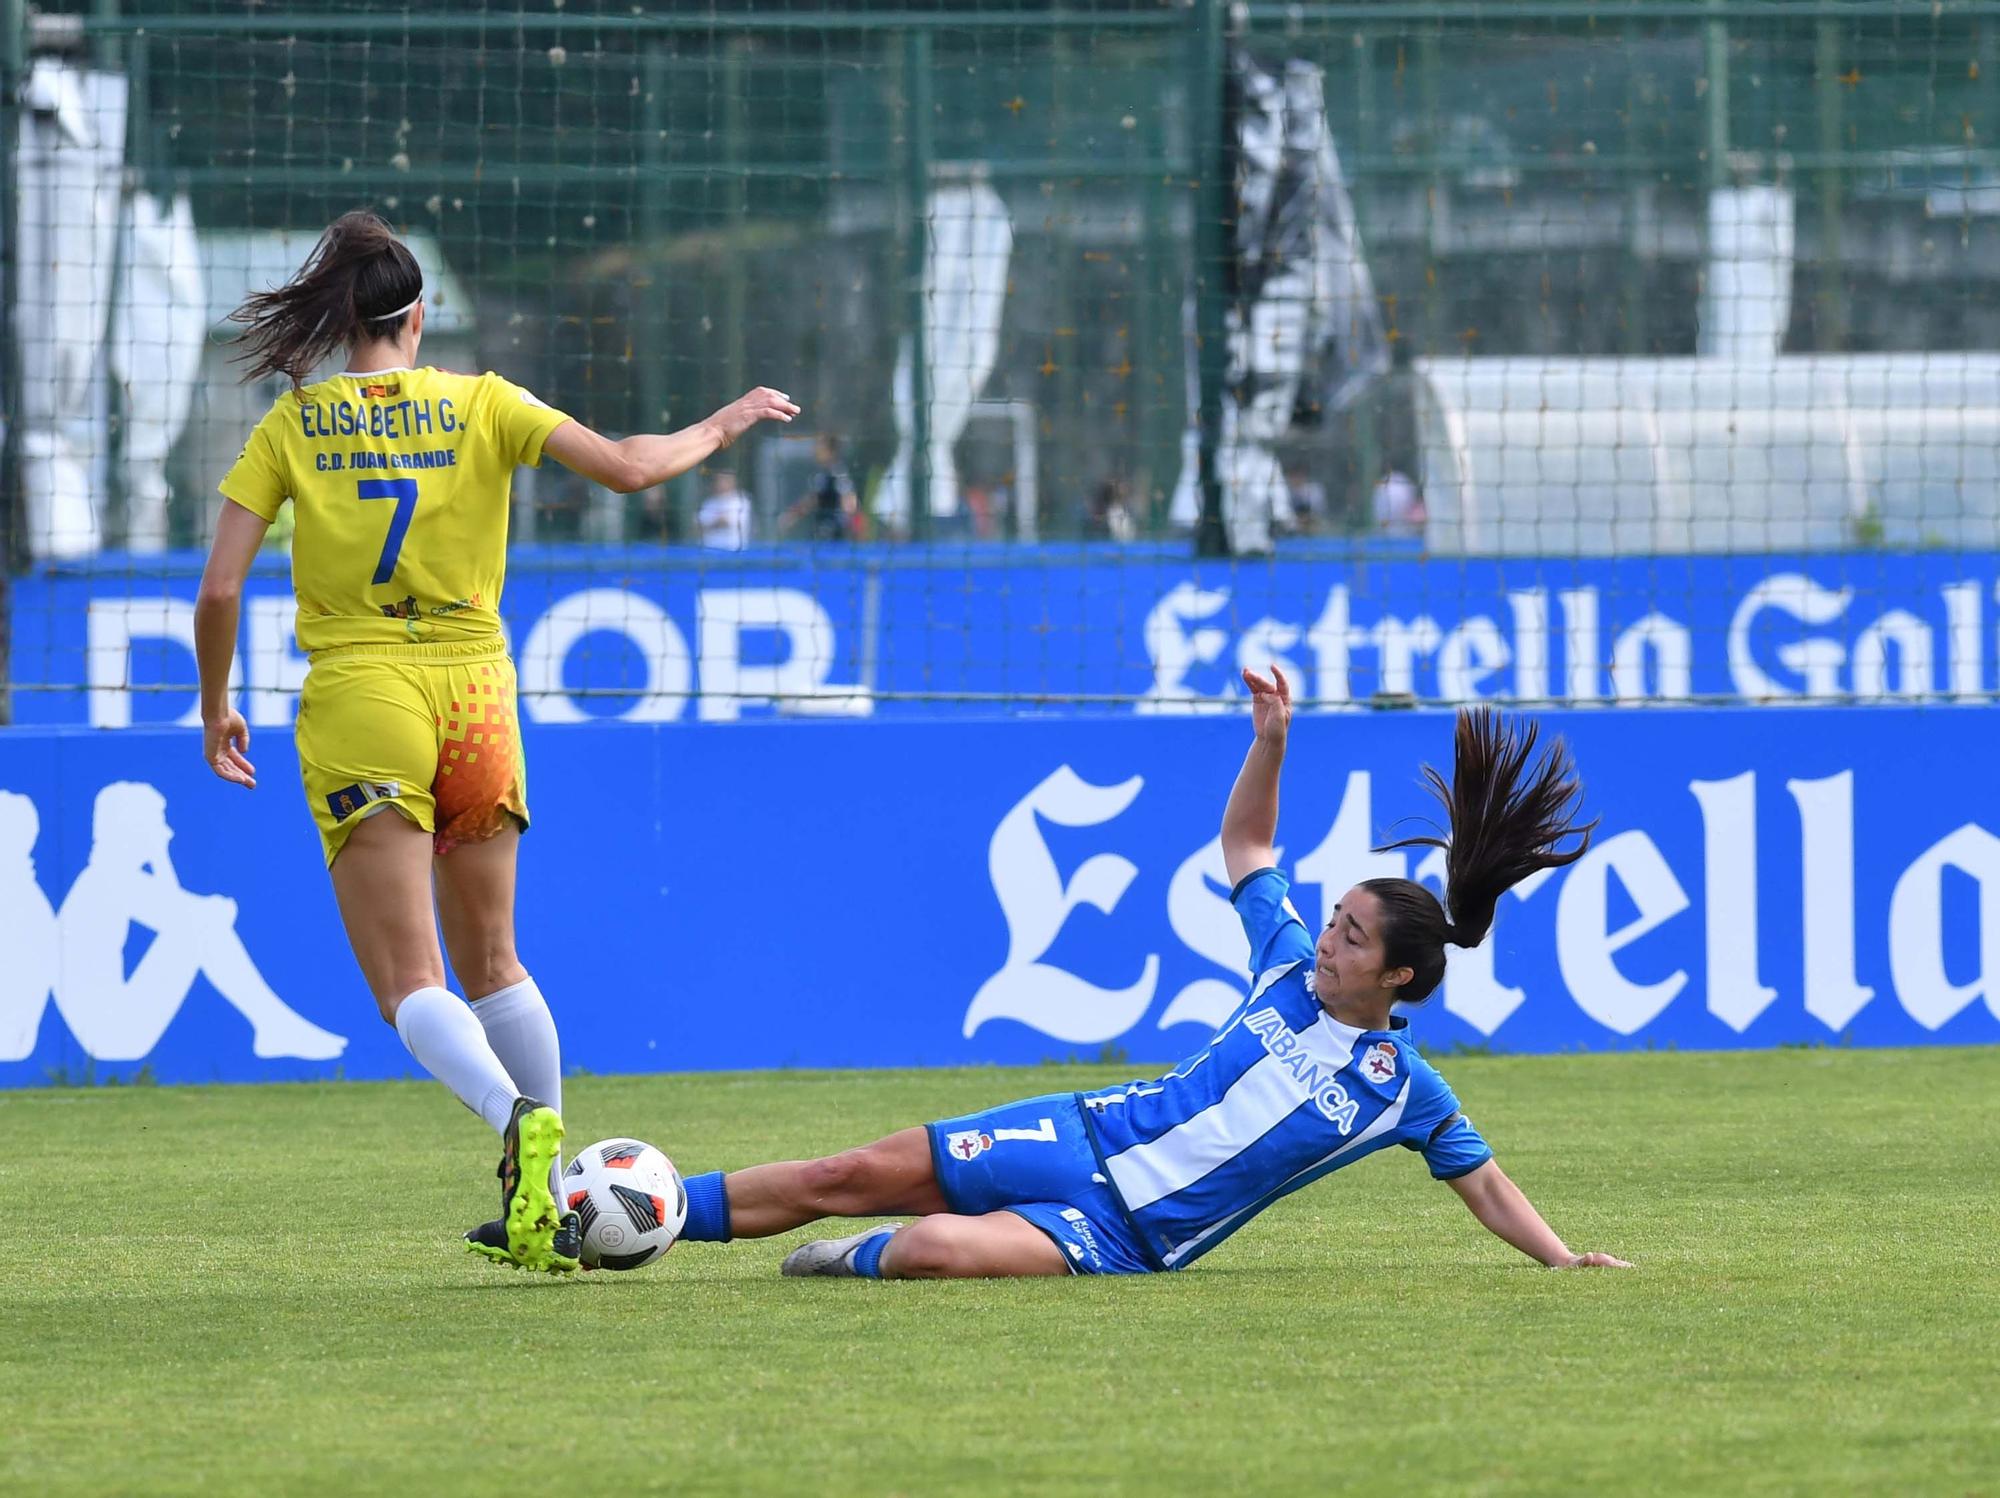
x,y
349,799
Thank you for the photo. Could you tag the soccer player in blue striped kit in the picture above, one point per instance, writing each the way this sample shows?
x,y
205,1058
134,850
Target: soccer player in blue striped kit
x,y
1311,1073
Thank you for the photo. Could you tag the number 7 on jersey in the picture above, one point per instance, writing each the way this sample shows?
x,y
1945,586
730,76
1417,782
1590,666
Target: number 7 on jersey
x,y
404,492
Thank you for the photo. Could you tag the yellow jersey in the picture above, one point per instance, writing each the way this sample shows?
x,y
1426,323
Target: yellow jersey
x,y
400,481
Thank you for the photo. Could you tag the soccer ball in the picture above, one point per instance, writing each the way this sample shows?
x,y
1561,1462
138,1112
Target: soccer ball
x,y
631,1200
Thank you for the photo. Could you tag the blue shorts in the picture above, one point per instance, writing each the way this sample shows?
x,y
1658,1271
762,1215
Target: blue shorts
x,y
1034,1159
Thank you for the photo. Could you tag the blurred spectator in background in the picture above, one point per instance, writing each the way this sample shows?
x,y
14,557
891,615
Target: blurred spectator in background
x,y
978,507
1110,517
724,517
831,510
1398,505
1307,496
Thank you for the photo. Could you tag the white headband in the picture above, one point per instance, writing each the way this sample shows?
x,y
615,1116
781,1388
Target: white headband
x,y
398,312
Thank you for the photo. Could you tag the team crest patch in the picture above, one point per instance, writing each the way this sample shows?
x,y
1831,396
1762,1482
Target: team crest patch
x,y
967,1144
1380,1062
349,799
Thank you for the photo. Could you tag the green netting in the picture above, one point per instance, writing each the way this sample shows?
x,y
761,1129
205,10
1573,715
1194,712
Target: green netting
x,y
646,210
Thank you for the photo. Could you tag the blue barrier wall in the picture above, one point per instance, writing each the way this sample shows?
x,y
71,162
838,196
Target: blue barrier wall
x,y
663,634
860,894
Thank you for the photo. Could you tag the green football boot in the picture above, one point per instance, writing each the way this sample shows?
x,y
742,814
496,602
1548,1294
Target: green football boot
x,y
489,1241
532,1140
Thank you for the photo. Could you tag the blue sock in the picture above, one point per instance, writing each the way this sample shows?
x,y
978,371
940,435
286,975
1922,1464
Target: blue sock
x,y
708,1209
868,1255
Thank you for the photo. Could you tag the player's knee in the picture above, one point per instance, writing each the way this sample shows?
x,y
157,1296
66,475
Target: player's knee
x,y
836,1180
386,1004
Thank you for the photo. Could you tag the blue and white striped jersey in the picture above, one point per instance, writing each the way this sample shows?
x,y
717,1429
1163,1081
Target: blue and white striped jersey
x,y
1282,1095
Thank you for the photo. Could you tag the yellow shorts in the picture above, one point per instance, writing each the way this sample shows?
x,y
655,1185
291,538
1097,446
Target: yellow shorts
x,y
428,729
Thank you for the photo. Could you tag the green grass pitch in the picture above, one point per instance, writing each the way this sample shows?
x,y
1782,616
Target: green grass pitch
x,y
259,1290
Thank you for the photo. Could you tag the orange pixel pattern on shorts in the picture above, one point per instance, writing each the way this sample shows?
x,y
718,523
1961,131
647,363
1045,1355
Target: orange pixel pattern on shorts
x,y
478,773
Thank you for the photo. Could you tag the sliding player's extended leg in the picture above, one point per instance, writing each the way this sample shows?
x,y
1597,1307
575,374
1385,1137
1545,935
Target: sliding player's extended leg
x,y
892,1175
999,1245
1026,1199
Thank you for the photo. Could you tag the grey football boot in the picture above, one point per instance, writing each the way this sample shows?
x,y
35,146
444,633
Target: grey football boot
x,y
831,1256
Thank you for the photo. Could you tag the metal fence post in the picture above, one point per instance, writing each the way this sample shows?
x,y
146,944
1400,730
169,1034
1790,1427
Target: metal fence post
x,y
917,190
108,52
13,66
1637,256
1832,334
655,396
736,214
1437,187
1214,210
1715,61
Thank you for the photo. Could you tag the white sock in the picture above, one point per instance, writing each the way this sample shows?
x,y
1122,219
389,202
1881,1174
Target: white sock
x,y
449,1044
522,1033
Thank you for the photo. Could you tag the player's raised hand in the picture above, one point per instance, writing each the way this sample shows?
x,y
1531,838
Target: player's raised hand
x,y
1270,706
223,740
761,404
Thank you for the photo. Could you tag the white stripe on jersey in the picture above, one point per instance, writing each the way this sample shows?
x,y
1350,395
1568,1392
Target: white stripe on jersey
x,y
1188,1068
1387,1119
1258,1101
1265,980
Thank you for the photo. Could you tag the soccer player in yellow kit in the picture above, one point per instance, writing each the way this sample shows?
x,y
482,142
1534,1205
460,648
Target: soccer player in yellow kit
x,y
407,733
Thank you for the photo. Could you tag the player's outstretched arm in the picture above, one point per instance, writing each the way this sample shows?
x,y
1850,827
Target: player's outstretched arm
x,y
1250,820
224,735
636,463
1498,1203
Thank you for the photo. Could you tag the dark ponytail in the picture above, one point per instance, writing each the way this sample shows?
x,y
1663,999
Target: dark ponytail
x,y
1508,809
358,282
